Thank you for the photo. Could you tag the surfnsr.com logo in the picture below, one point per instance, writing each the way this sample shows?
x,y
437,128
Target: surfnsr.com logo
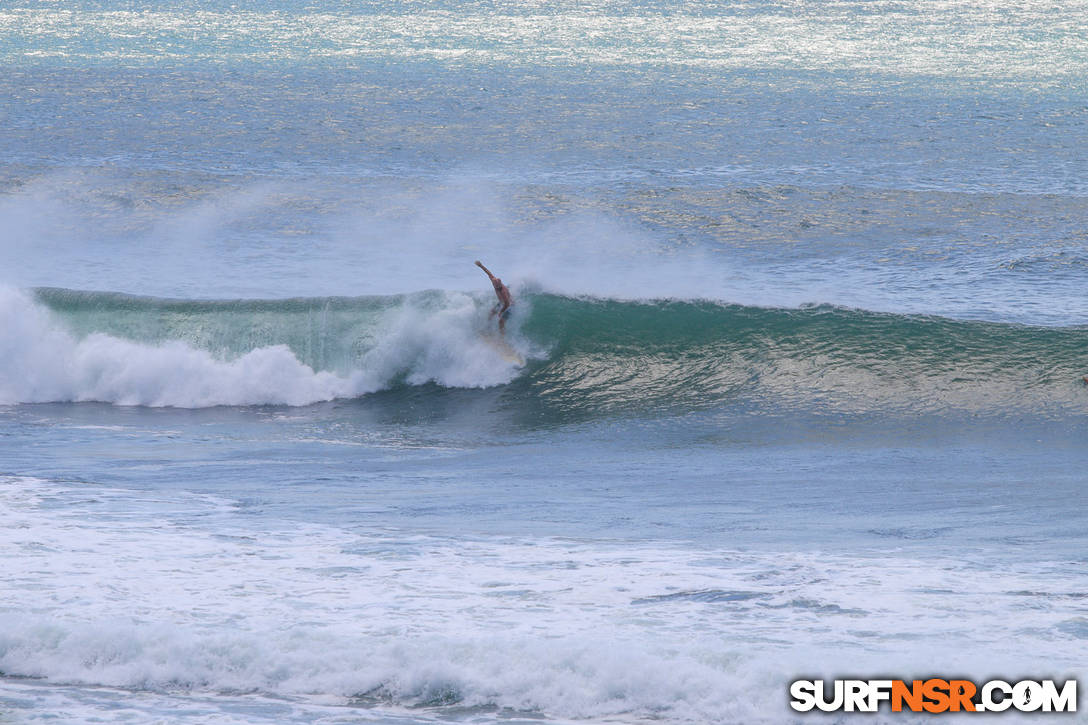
x,y
934,695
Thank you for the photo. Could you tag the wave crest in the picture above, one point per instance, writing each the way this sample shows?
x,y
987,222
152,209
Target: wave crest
x,y
589,356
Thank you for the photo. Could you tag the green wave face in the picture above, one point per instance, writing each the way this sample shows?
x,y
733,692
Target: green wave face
x,y
694,353
599,356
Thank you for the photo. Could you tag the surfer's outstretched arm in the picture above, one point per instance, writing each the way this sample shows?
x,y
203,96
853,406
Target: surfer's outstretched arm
x,y
485,269
501,290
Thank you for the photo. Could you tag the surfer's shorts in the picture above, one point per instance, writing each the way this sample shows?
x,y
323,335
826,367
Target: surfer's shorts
x,y
506,313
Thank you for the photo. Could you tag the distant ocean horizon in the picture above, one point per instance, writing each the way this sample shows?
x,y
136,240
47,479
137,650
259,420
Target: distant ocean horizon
x,y
798,288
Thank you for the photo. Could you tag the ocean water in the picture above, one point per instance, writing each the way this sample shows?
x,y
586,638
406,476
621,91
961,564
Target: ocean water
x,y
800,289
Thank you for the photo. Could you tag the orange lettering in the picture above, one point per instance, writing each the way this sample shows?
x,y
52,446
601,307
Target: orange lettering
x,y
911,695
936,692
961,692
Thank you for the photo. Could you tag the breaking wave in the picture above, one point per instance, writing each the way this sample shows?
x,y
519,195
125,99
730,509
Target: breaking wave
x,y
583,354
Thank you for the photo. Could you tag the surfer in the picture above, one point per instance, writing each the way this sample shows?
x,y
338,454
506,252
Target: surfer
x,y
502,309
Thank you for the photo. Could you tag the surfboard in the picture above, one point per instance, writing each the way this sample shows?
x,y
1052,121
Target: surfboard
x,y
505,351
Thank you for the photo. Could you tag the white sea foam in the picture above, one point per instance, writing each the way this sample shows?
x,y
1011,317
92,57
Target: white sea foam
x,y
192,597
44,362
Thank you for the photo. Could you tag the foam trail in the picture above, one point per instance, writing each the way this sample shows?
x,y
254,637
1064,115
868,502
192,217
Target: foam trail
x,y
436,348
44,362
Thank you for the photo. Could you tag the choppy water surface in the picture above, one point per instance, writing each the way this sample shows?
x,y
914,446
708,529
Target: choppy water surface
x,y
800,290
